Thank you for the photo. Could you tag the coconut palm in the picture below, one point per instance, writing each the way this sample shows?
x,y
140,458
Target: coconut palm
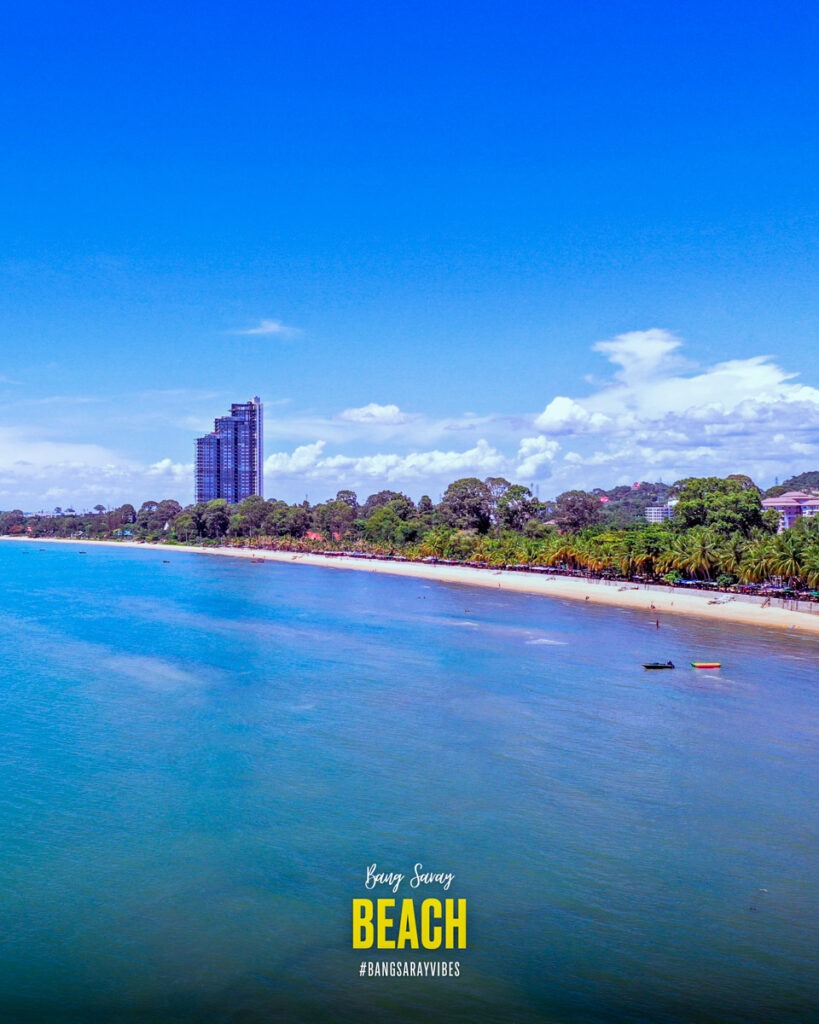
x,y
810,565
698,553
731,553
672,557
787,557
757,562
563,553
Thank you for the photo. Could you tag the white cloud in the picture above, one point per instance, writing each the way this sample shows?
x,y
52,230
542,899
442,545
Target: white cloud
x,y
565,416
658,414
269,328
304,458
387,415
653,416
423,466
376,424
535,453
640,354
24,455
172,472
649,393
42,473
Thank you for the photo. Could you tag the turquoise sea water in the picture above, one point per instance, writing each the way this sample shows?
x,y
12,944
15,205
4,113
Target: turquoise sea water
x,y
201,757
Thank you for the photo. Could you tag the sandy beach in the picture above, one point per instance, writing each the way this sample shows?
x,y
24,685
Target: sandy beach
x,y
654,602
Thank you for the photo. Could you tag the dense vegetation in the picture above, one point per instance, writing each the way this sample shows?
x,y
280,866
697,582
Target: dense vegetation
x,y
718,532
804,481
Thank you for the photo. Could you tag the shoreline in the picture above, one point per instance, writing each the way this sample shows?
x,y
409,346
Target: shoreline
x,y
652,602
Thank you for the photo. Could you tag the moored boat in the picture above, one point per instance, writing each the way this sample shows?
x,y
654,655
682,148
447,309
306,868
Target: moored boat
x,y
658,664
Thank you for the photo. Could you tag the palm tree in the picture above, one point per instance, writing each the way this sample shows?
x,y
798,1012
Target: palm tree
x,y
810,566
673,557
634,552
564,552
757,562
787,557
588,554
731,553
698,554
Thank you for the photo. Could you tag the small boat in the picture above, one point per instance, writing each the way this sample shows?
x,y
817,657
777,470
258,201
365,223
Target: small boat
x,y
658,664
706,664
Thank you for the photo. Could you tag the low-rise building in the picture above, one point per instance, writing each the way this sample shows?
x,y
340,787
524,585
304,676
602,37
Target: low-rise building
x,y
793,505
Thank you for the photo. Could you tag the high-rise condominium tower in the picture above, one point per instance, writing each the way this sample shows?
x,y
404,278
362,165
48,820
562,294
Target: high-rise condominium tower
x,y
229,461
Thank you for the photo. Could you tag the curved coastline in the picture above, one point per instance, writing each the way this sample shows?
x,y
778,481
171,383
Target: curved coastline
x,y
651,601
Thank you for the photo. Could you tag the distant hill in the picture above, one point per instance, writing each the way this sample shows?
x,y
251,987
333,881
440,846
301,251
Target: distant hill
x,y
624,504
809,480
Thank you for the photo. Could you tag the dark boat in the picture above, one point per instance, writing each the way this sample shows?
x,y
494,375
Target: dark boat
x,y
658,664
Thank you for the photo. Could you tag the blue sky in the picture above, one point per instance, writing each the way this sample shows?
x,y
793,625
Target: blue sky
x,y
570,244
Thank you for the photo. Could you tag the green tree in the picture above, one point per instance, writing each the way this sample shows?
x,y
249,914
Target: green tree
x,y
277,521
153,515
379,500
216,519
349,498
498,486
731,554
394,525
757,562
575,510
12,522
334,519
810,565
252,511
786,554
516,507
466,505
185,526
731,505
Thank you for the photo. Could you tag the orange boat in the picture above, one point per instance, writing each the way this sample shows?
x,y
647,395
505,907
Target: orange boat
x,y
706,664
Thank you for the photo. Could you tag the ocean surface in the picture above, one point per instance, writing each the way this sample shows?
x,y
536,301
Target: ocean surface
x,y
201,757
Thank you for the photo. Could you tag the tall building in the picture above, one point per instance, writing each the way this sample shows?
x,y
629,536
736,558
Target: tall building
x,y
229,461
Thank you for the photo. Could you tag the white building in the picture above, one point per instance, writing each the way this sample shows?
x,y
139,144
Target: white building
x,y
659,513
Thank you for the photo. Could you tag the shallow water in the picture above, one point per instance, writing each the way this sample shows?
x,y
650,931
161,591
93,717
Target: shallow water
x,y
201,758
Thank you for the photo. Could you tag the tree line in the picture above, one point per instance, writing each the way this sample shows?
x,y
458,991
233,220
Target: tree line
x,y
718,532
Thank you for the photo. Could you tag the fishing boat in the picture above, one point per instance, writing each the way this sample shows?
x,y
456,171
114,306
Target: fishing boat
x,y
658,664
706,664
